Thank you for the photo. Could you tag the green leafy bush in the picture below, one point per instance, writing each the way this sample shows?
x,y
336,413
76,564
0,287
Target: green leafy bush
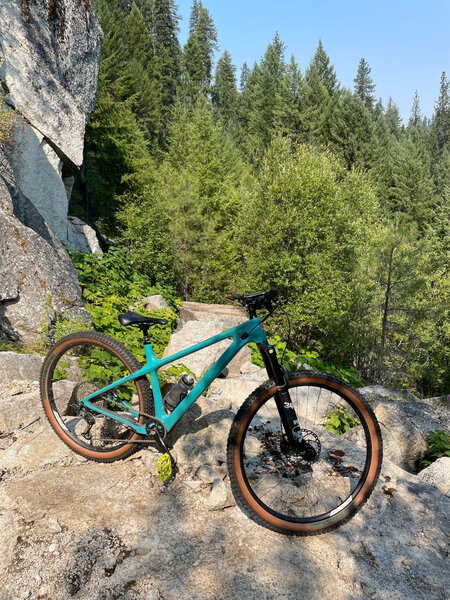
x,y
292,359
438,445
111,286
60,372
339,420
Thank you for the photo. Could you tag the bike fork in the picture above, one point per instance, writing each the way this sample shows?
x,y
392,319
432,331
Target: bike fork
x,y
283,400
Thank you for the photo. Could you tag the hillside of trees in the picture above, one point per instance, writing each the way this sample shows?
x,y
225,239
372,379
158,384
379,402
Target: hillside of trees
x,y
213,180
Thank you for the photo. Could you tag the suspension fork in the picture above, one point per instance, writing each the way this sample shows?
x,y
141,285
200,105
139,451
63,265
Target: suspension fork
x,y
279,375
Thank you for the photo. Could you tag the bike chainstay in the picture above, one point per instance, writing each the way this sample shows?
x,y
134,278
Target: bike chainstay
x,y
157,438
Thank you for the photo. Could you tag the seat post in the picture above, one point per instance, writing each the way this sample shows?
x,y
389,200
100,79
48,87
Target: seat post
x,y
144,327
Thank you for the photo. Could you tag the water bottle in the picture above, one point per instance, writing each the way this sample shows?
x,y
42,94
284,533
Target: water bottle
x,y
178,392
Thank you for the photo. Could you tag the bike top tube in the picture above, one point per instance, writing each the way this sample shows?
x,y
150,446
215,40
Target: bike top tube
x,y
250,331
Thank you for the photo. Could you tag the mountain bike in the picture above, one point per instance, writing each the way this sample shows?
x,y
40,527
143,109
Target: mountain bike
x,y
304,450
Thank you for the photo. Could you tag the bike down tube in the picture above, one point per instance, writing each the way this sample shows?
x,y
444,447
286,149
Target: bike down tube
x,y
250,331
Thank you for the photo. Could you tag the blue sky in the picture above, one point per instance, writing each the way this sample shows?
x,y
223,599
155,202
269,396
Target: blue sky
x,y
405,42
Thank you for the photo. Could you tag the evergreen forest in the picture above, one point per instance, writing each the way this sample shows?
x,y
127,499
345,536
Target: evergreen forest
x,y
213,181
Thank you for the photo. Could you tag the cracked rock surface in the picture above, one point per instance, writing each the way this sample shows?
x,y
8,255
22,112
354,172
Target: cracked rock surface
x,y
73,528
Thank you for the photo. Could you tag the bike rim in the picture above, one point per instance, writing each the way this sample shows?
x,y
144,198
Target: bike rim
x,y
59,391
348,502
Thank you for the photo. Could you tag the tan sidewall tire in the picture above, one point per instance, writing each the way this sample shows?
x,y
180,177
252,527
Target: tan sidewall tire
x,y
240,489
131,363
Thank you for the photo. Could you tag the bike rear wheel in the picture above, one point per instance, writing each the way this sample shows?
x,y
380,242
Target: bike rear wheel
x,y
79,365
286,492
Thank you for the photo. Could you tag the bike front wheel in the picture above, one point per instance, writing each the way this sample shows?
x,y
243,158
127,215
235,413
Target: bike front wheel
x,y
297,494
80,365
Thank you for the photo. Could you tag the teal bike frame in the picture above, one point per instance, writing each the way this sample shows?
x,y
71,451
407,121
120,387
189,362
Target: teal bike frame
x,y
250,331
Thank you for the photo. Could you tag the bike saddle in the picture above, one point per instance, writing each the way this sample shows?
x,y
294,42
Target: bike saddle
x,y
132,318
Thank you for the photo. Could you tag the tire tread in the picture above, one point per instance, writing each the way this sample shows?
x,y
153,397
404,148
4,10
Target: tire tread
x,y
128,356
241,501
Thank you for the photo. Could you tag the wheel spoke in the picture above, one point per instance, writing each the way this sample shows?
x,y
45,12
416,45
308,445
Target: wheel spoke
x,y
78,367
301,488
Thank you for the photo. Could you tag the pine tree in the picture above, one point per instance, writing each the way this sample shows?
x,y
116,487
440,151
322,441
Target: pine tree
x,y
378,111
393,118
287,110
113,54
315,101
167,55
224,93
442,115
385,148
146,8
364,86
321,63
347,128
203,174
116,160
207,37
137,37
138,79
260,99
246,107
126,66
406,264
416,116
245,72
195,13
194,69
412,192
198,53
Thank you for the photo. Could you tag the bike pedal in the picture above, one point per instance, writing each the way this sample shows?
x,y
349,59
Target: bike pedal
x,y
164,467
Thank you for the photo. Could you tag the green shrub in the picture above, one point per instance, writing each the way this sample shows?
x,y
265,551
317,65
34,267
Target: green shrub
x,y
339,420
438,445
291,360
111,286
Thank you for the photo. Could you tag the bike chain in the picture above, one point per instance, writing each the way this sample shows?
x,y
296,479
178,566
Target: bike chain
x,y
155,435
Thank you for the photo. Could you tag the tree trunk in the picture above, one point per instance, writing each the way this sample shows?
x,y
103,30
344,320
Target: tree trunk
x,y
384,320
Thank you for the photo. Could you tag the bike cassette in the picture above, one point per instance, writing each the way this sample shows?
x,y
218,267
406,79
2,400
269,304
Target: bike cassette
x,y
164,467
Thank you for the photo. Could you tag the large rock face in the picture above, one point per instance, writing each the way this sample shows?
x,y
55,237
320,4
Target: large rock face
x,y
36,274
49,59
37,170
50,67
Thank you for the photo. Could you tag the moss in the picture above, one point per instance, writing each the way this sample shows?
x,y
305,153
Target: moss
x,y
8,122
21,348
